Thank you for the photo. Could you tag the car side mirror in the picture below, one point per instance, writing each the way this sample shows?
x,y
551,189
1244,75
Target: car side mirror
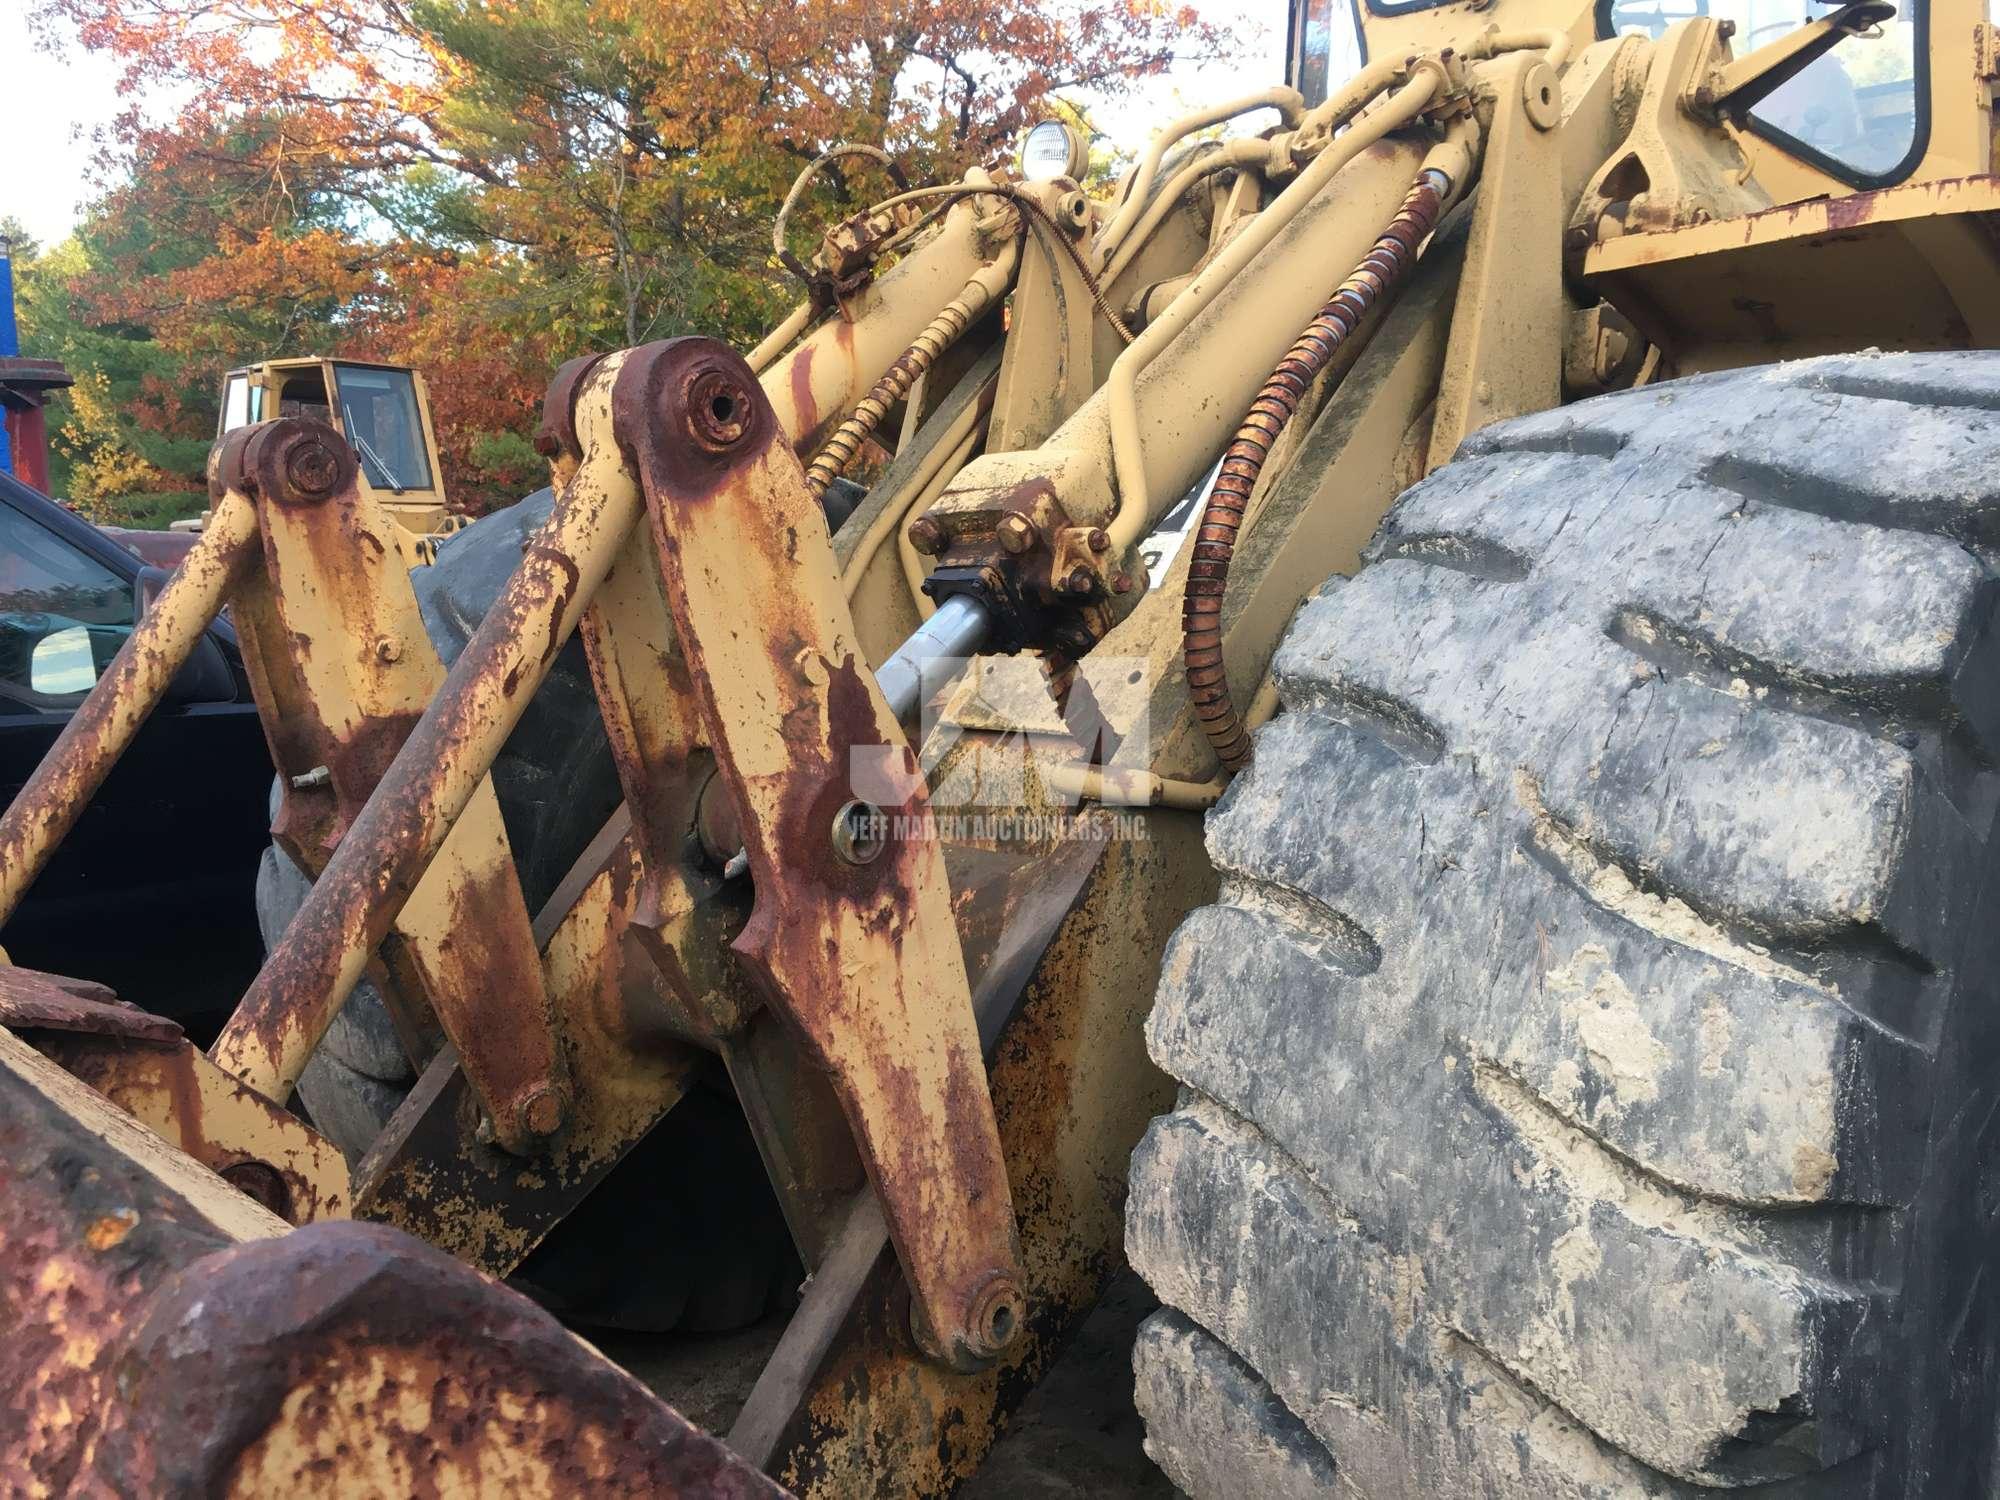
x,y
206,678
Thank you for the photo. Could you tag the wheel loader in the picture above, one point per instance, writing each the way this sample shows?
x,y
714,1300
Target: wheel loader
x,y
1392,723
381,411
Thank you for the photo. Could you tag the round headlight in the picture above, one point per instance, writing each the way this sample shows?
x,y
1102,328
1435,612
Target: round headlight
x,y
1051,150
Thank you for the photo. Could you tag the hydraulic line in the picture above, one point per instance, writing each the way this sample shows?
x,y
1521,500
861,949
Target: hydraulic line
x,y
1243,461
1134,514
943,331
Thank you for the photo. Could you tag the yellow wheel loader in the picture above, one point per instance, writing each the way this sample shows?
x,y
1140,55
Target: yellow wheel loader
x,y
381,411
1393,724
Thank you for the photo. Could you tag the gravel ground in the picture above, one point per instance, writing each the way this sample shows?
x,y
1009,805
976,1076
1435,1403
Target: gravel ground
x,y
1076,1435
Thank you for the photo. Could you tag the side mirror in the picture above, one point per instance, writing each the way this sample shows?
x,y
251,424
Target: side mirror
x,y
206,678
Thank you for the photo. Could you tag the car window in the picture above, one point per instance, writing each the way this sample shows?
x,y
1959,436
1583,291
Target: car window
x,y
63,615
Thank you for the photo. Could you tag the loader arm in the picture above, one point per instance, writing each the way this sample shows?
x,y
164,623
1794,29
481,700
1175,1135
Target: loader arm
x,y
912,795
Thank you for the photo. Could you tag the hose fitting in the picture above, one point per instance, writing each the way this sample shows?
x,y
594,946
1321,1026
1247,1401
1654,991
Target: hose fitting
x,y
1222,517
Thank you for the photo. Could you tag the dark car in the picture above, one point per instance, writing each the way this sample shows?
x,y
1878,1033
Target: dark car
x,y
152,892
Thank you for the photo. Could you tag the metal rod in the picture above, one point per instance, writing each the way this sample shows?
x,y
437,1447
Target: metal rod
x,y
384,854
131,688
958,629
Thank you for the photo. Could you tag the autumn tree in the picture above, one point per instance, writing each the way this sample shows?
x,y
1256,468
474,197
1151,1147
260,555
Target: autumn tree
x,y
484,187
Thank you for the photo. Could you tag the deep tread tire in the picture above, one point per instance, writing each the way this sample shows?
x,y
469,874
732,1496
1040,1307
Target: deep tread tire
x,y
1588,1070
691,1203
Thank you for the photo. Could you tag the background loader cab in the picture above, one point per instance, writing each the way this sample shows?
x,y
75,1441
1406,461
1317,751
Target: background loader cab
x,y
383,412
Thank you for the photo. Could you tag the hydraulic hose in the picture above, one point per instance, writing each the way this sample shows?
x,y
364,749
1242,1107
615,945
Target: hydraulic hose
x,y
942,332
1135,507
1243,461
1287,102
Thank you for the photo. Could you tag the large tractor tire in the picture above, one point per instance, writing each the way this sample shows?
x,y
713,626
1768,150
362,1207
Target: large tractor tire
x,y
1588,1072
692,1202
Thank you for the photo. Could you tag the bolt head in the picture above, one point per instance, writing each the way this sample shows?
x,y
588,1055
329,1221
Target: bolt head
x,y
312,468
1100,539
541,1113
1079,580
388,649
927,535
718,410
1016,534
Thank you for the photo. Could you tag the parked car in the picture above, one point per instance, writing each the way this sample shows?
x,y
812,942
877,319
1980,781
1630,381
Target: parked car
x,y
170,846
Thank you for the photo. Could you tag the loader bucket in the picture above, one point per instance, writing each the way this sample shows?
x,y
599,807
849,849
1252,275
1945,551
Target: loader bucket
x,y
169,1336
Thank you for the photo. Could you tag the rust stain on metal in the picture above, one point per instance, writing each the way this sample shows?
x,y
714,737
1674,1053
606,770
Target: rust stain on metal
x,y
108,1231
804,406
399,1372
1073,1089
429,1174
30,998
194,1106
555,435
1857,208
154,1353
345,672
851,935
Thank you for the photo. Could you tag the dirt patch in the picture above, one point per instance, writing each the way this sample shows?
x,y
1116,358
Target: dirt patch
x,y
1076,1435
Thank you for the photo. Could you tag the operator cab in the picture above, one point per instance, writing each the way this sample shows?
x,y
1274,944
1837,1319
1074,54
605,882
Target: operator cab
x,y
381,411
1852,112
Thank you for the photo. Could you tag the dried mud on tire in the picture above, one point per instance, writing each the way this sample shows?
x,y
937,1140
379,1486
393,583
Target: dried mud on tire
x,y
1587,1069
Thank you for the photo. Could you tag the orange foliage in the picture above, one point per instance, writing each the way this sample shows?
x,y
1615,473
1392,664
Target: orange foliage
x,y
485,187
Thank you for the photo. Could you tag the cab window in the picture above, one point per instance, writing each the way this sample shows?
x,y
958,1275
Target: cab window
x,y
378,414
1856,111
242,403
236,403
1325,46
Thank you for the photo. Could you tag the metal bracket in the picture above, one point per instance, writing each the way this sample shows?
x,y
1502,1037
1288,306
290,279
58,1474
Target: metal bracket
x,y
342,668
851,937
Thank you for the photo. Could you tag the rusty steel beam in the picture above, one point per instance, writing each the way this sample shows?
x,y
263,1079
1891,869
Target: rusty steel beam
x,y
851,937
342,669
385,852
127,692
428,1172
869,1418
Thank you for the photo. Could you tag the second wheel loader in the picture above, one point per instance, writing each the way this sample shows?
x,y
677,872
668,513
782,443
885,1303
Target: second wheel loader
x,y
1402,733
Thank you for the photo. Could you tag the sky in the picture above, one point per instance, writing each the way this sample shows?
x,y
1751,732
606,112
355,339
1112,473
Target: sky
x,y
56,102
